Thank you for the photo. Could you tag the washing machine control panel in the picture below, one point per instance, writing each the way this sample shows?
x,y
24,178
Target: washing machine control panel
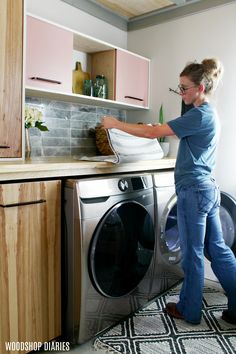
x,y
131,184
123,185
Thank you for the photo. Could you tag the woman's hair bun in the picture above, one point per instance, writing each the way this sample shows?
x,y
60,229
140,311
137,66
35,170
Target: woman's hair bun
x,y
208,72
213,68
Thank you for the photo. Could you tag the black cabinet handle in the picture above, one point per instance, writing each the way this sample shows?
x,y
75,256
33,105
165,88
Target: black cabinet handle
x,y
45,80
134,98
4,147
40,201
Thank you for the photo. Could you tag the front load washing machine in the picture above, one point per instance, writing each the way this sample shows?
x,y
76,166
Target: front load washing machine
x,y
167,270
109,245
228,222
168,248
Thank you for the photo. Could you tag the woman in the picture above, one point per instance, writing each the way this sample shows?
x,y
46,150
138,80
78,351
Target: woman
x,y
198,199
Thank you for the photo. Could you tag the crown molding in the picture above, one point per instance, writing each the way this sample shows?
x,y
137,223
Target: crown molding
x,y
166,15
183,8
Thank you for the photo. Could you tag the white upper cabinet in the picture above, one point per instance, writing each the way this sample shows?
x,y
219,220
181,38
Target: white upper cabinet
x,y
51,54
48,56
132,78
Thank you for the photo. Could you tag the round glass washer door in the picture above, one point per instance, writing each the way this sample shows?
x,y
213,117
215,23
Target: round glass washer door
x,y
169,234
169,238
121,249
228,220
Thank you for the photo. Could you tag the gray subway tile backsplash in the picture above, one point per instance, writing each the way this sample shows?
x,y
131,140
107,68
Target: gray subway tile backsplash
x,y
71,127
54,151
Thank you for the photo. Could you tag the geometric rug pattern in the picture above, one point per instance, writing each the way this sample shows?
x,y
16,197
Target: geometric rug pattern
x,y
151,331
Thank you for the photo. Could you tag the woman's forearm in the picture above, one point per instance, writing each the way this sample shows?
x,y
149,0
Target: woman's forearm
x,y
141,130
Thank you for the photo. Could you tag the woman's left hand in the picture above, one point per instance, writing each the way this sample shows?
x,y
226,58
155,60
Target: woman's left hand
x,y
109,122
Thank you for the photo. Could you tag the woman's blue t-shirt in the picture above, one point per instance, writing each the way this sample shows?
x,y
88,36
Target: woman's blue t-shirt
x,y
198,130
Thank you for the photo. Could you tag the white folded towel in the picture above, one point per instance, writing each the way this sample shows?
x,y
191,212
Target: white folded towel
x,y
129,148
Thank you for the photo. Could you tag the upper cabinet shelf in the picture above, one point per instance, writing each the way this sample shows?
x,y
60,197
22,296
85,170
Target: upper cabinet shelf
x,y
76,98
51,55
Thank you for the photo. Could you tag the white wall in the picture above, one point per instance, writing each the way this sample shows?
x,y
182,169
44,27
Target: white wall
x,y
71,17
170,46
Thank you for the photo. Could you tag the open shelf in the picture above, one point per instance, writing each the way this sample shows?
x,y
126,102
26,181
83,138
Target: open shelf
x,y
80,99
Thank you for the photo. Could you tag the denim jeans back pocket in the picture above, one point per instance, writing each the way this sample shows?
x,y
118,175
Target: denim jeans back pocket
x,y
207,199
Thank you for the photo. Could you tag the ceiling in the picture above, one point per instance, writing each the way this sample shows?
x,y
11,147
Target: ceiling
x,y
133,8
130,15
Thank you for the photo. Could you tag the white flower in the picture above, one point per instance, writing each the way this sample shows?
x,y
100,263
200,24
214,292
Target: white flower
x,y
33,118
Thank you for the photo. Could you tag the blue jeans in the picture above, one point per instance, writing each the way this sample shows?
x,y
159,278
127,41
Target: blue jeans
x,y
200,228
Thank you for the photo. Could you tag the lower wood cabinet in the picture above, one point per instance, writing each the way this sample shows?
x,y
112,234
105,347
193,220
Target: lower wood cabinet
x,y
30,249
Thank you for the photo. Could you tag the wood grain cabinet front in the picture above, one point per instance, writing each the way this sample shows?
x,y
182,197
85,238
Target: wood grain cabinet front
x,y
11,86
30,275
49,52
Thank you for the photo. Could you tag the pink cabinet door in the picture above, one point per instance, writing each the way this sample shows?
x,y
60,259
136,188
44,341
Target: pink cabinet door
x,y
48,56
132,78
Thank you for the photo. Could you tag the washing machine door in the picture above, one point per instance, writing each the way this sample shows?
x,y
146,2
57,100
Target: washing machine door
x,y
169,236
121,249
228,220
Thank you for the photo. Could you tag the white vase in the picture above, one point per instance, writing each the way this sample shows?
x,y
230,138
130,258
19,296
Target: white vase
x,y
27,144
165,147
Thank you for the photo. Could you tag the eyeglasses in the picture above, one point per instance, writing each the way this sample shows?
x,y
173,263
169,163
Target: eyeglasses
x,y
183,89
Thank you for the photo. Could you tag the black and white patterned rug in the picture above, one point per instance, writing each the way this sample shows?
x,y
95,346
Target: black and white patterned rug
x,y
151,331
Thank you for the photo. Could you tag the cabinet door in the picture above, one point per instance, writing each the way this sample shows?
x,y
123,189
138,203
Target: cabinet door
x,y
104,63
132,78
49,52
11,58
29,262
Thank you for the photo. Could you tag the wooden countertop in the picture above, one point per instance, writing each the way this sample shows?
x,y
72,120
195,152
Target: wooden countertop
x,y
52,167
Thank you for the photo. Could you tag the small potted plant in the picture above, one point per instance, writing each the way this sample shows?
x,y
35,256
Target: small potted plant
x,y
33,119
165,145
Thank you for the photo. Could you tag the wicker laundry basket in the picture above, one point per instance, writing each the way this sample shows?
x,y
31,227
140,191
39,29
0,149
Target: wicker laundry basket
x,y
102,143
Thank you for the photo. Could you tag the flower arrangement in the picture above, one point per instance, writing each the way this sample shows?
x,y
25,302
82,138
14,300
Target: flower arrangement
x,y
33,118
